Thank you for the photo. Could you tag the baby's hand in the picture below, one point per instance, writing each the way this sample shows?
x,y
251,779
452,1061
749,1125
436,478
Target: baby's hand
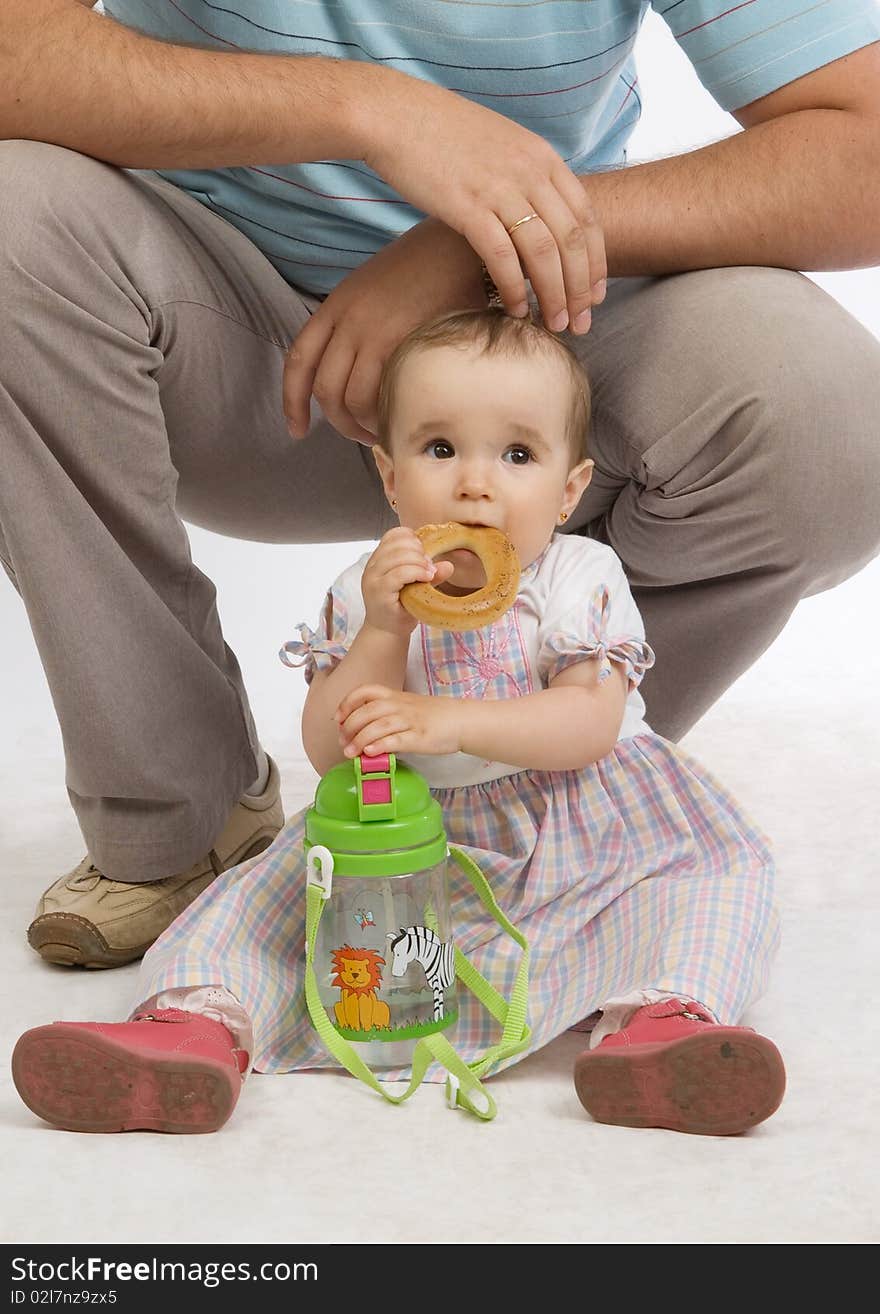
x,y
374,719
398,559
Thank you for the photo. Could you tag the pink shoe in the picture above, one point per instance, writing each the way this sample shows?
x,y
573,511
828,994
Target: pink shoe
x,y
167,1071
674,1066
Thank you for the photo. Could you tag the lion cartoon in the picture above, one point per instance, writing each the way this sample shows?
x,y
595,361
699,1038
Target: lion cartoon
x,y
359,976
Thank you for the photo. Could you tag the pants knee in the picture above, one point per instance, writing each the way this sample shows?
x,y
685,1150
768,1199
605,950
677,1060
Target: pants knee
x,y
48,195
822,458
799,378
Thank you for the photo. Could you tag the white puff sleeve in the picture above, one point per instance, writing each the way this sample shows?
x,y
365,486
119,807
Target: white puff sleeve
x,y
322,649
604,624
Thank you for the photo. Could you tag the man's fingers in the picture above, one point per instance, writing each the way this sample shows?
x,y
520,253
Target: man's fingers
x,y
578,198
362,390
558,250
345,383
550,236
303,358
493,245
329,389
331,378
553,252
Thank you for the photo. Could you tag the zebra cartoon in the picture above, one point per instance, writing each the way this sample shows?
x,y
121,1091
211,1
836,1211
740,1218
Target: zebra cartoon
x,y
421,944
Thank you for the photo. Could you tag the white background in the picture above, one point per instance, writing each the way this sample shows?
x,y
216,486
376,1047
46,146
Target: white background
x,y
264,589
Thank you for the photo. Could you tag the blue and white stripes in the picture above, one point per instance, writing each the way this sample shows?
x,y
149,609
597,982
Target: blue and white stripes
x,y
564,69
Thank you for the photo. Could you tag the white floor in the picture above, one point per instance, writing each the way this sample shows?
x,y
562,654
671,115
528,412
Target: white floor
x,y
797,739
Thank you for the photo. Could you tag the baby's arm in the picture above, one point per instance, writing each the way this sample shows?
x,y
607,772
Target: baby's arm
x,y
375,655
572,724
379,650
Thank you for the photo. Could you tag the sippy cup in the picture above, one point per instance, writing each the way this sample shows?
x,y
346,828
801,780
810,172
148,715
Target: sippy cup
x,y
381,963
383,955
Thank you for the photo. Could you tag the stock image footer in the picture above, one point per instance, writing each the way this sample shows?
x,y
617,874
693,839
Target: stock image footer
x,y
138,1277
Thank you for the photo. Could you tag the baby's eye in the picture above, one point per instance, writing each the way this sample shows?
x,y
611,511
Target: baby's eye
x,y
439,443
521,455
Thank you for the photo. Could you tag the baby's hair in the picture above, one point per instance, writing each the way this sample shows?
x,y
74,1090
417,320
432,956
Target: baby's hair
x,y
495,332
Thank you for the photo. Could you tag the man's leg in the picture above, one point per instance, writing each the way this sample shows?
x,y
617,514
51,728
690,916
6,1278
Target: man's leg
x,y
142,341
737,463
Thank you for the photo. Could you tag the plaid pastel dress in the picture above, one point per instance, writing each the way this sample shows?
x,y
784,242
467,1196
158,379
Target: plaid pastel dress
x,y
639,872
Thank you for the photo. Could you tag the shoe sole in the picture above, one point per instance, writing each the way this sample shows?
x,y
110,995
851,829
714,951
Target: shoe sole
x,y
72,941
714,1083
83,1081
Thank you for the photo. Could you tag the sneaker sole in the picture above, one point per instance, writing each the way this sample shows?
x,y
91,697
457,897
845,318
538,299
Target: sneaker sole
x,y
714,1083
83,1081
72,941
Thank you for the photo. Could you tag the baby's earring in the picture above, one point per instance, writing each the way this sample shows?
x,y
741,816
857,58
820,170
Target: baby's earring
x,y
394,504
563,516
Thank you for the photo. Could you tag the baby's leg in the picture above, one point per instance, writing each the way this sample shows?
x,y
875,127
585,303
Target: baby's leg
x,y
213,1001
666,1052
176,1065
166,1070
245,936
673,1065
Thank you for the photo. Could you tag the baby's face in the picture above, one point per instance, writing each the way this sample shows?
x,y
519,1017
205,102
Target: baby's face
x,y
482,440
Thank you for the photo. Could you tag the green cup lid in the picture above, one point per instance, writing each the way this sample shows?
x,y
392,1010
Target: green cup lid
x,y
377,817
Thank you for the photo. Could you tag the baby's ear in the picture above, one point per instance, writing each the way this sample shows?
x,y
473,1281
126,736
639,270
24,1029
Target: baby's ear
x,y
578,481
385,466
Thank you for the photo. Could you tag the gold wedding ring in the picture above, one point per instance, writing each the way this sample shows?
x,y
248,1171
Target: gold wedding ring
x,y
524,220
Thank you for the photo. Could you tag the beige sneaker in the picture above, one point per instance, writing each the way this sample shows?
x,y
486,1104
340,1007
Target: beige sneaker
x,y
87,920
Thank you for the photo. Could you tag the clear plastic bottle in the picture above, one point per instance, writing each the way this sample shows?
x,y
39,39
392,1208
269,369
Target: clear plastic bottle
x,y
384,962
384,957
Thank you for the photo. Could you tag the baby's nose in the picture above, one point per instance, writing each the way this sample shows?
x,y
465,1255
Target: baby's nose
x,y
475,481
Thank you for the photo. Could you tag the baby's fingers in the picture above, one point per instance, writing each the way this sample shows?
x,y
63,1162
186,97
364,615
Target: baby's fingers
x,y
372,738
399,550
444,569
359,697
366,724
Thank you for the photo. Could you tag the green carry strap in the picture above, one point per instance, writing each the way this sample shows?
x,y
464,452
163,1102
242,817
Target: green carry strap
x,y
463,1079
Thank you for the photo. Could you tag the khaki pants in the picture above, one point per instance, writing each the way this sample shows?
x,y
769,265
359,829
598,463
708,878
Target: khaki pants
x,y
142,340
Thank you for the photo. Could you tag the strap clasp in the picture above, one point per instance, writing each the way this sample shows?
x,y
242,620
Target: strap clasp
x,y
319,869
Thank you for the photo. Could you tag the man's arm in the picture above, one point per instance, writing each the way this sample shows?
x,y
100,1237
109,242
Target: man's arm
x,y
78,79
798,189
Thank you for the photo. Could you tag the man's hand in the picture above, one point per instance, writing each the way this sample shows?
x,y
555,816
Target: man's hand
x,y
481,173
373,719
339,354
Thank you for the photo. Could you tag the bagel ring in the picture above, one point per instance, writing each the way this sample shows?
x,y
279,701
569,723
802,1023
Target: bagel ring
x,y
472,610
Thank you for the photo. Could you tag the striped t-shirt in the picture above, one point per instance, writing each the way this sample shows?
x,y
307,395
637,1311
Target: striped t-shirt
x,y
562,68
